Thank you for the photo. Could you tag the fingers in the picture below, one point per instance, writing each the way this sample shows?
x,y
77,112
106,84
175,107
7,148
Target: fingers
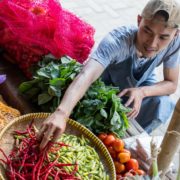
x,y
135,100
57,133
41,131
123,92
129,101
47,136
135,110
133,114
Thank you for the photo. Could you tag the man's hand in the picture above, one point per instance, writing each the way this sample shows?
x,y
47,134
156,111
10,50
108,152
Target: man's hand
x,y
52,128
136,96
55,125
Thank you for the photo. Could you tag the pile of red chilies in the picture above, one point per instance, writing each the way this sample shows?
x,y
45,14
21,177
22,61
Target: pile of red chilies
x,y
26,162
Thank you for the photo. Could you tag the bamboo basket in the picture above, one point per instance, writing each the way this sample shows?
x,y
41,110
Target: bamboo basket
x,y
73,127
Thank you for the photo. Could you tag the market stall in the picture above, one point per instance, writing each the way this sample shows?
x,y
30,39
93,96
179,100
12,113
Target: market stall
x,y
10,92
28,68
11,95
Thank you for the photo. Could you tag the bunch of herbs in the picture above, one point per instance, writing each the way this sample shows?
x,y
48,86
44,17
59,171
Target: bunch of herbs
x,y
100,109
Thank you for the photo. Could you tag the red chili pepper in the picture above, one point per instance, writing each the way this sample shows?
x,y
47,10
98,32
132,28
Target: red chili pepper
x,y
50,165
19,176
25,162
4,155
56,176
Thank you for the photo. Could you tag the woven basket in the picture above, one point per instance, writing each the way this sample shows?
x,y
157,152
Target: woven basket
x,y
73,127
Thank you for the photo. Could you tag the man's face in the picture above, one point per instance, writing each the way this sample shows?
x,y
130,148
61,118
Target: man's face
x,y
153,36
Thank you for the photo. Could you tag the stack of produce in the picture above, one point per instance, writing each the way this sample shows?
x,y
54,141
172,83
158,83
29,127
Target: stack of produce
x,y
125,165
30,29
100,110
7,114
71,158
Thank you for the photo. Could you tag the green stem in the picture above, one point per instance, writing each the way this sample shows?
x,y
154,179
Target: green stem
x,y
155,168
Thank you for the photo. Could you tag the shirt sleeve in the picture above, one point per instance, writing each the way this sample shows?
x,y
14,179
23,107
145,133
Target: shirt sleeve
x,y
109,49
172,58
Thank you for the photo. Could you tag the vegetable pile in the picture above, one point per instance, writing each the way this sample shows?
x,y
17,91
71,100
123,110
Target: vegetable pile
x,y
100,109
27,162
72,158
81,152
125,165
31,29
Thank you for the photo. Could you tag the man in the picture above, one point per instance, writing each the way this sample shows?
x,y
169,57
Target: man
x,y
127,57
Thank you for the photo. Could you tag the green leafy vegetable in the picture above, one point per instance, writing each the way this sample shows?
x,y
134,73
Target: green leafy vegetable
x,y
100,109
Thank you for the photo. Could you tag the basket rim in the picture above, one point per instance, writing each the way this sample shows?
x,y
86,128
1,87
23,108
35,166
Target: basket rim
x,y
15,120
72,122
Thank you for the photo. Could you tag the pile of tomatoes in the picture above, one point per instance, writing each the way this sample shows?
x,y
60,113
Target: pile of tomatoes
x,y
124,164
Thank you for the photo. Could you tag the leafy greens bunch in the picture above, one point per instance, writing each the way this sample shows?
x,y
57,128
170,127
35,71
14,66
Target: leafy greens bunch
x,y
100,109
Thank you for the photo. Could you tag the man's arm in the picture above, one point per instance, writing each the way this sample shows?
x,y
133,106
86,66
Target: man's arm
x,y
165,87
91,71
56,123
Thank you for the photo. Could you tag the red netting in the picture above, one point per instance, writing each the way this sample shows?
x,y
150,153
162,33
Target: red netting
x,y
30,29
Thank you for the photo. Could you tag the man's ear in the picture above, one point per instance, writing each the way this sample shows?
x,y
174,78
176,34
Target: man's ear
x,y
139,18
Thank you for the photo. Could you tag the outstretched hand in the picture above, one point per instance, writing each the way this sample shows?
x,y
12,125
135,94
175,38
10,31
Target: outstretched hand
x,y
52,128
136,96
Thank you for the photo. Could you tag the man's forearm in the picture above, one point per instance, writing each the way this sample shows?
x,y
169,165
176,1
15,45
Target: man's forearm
x,y
73,94
159,89
79,86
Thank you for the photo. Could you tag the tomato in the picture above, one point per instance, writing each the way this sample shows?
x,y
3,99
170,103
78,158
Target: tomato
x,y
118,145
132,164
113,135
102,136
109,140
119,167
126,151
112,152
123,157
140,172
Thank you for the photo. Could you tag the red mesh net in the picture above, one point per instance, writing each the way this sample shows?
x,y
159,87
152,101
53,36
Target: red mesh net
x,y
30,29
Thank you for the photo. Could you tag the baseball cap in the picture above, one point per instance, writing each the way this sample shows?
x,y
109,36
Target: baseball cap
x,y
171,7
